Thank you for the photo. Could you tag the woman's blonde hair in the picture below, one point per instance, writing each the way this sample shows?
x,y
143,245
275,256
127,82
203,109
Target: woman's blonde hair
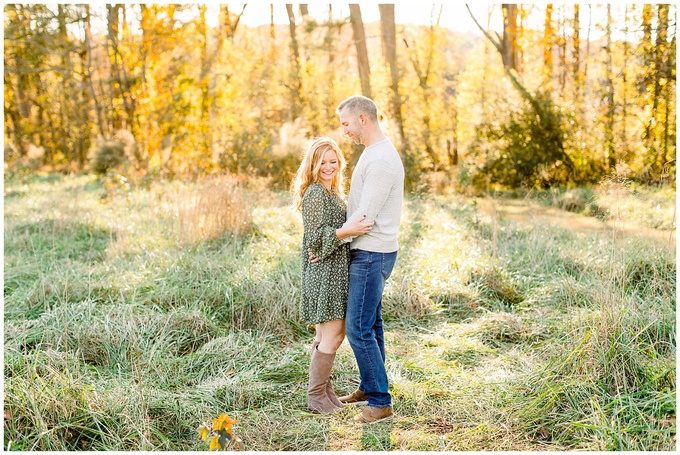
x,y
308,172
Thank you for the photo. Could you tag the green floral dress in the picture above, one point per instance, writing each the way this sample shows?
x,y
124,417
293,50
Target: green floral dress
x,y
324,283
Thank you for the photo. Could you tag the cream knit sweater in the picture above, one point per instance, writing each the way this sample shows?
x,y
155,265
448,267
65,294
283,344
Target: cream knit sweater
x,y
377,191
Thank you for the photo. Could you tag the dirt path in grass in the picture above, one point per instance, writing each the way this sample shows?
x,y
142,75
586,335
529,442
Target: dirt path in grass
x,y
529,212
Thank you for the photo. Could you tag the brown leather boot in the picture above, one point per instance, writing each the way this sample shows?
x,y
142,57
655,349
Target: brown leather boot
x,y
356,397
319,374
329,388
332,396
374,415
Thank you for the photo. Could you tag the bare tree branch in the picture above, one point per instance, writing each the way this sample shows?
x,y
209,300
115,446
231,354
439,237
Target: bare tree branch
x,y
497,44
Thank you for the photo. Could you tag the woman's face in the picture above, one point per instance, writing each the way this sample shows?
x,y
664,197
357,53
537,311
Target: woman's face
x,y
330,165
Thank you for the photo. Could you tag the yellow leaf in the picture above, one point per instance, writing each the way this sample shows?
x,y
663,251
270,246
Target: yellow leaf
x,y
215,443
203,432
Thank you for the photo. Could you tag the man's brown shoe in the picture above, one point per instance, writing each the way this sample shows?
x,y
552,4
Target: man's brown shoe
x,y
374,415
357,397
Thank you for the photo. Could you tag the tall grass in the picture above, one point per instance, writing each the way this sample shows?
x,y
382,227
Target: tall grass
x,y
615,198
133,314
213,208
612,384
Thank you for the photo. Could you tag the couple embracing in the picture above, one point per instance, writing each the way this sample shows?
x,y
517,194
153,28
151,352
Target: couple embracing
x,y
349,251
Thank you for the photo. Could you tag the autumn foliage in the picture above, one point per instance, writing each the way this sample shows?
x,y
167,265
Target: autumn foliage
x,y
568,95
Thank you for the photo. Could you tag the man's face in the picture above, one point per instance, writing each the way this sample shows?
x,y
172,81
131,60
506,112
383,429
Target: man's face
x,y
351,126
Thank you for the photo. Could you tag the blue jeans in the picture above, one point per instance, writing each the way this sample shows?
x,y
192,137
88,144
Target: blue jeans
x,y
368,272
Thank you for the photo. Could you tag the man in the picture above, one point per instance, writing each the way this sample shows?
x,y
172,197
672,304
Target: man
x,y
377,191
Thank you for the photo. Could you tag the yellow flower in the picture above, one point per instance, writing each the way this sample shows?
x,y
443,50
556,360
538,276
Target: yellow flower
x,y
203,432
223,422
215,443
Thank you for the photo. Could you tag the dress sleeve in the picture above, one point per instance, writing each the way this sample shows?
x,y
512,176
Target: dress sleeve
x,y
321,237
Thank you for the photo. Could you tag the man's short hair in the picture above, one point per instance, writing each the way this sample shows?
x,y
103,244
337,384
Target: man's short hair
x,y
358,104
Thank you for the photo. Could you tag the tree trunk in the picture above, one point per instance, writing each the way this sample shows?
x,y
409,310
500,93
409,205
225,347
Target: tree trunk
x,y
362,51
668,156
452,141
671,111
77,127
509,43
206,64
485,67
101,124
423,73
119,74
228,24
12,87
563,51
624,94
587,53
295,83
548,41
576,58
331,75
45,119
648,57
272,26
389,32
654,55
112,27
660,63
610,152
647,49
65,100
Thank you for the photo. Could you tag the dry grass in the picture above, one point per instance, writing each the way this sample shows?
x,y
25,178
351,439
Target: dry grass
x,y
126,327
212,208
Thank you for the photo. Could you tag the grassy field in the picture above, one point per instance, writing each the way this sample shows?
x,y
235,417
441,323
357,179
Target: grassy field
x,y
132,314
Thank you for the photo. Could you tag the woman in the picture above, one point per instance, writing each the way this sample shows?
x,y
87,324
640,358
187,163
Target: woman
x,y
317,194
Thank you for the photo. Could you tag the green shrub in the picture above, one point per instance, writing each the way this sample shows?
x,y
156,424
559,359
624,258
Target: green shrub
x,y
527,150
107,155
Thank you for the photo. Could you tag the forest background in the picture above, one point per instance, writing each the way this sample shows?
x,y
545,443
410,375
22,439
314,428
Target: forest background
x,y
152,260
557,94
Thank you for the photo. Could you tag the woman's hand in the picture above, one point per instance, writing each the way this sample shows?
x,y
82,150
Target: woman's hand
x,y
356,228
360,227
